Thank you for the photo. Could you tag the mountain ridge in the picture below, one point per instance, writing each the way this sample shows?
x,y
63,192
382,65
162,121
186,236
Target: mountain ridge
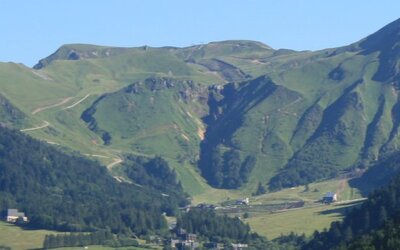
x,y
87,51
342,101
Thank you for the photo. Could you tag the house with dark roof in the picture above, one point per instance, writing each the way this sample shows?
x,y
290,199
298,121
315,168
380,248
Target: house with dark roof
x,y
329,198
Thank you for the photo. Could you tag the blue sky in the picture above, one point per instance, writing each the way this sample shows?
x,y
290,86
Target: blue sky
x,y
31,30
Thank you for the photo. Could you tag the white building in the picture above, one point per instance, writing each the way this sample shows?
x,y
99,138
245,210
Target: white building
x,y
13,215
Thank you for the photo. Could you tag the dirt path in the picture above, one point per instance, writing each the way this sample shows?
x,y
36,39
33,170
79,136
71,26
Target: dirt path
x,y
41,74
63,101
283,109
115,162
100,156
116,159
76,103
45,124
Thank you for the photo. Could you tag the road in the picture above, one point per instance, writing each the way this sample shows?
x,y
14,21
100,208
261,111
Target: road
x,y
45,124
76,103
63,101
115,162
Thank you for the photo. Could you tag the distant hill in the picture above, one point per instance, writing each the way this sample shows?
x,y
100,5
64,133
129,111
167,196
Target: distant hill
x,y
226,114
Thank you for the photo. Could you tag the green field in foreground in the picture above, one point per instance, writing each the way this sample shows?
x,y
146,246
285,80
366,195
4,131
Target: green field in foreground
x,y
302,220
20,239
17,238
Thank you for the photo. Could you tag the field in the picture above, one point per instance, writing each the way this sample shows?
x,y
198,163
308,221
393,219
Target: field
x,y
294,209
19,239
301,220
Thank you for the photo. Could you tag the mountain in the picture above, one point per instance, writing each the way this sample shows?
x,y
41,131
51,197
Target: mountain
x,y
228,114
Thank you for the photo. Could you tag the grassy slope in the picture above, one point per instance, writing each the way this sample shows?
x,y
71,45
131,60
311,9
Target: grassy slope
x,y
98,75
312,216
303,220
279,137
31,89
347,121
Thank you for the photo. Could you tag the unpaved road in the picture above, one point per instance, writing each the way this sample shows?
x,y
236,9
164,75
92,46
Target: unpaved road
x,y
63,101
115,162
76,103
45,124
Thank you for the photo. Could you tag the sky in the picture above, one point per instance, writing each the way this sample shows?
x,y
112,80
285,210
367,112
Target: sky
x,y
31,30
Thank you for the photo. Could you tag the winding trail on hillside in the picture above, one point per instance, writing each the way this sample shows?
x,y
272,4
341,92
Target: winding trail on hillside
x,y
45,124
117,159
100,156
115,162
41,74
76,103
62,102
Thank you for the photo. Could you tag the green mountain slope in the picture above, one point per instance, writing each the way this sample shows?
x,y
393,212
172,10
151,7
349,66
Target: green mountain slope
x,y
156,116
229,114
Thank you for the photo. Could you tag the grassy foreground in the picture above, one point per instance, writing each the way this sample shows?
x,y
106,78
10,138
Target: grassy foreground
x,y
19,239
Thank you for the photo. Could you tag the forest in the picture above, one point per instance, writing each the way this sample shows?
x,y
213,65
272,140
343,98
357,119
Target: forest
x,y
226,170
217,228
156,174
67,192
101,237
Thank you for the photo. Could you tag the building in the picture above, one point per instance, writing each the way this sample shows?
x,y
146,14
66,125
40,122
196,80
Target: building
x,y
13,215
329,197
184,240
206,206
239,246
187,245
245,201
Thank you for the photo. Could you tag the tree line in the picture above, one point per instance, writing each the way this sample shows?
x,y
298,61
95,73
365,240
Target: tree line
x,y
227,170
101,237
220,228
156,174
